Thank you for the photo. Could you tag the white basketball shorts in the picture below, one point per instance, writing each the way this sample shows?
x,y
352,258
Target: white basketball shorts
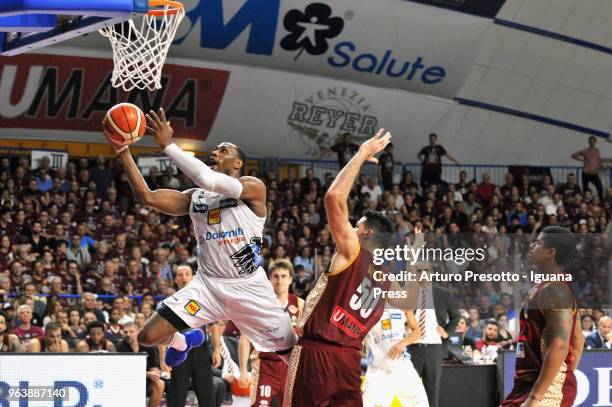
x,y
249,302
402,384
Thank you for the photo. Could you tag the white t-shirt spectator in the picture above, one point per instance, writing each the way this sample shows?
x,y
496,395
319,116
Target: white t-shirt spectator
x,y
307,263
374,192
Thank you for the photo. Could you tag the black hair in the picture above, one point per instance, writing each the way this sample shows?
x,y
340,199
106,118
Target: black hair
x,y
94,324
381,225
562,240
491,322
241,154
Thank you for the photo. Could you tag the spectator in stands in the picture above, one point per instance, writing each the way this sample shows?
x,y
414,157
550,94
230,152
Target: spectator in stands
x,y
386,163
74,320
101,176
88,302
602,338
29,291
51,342
372,188
5,288
476,326
489,335
302,281
305,260
115,329
485,310
88,317
8,342
582,286
344,149
123,305
36,240
431,159
485,189
462,326
504,336
570,188
95,341
78,253
140,320
129,344
591,159
25,331
587,324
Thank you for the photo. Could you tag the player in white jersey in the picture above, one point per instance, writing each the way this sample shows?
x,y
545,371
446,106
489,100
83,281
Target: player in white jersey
x,y
228,215
390,372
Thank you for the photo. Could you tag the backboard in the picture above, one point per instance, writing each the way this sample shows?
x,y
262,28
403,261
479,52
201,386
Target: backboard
x,y
26,25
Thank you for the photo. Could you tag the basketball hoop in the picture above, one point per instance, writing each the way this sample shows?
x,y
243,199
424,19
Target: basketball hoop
x,y
140,48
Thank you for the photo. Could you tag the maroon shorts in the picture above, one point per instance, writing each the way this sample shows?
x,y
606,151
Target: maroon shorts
x,y
323,375
270,385
565,393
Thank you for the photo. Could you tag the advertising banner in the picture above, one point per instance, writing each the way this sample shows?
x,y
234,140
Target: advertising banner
x,y
389,43
266,112
45,379
593,377
57,159
62,92
161,162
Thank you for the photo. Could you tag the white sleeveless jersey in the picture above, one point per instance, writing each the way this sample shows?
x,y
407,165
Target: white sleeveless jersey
x,y
387,332
228,234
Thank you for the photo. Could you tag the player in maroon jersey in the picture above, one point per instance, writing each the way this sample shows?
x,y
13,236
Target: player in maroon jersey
x,y
324,369
268,370
550,341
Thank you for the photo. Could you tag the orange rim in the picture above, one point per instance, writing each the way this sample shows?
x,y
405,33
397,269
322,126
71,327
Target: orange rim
x,y
173,7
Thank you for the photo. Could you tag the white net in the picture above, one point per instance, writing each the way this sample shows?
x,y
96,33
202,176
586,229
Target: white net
x,y
140,48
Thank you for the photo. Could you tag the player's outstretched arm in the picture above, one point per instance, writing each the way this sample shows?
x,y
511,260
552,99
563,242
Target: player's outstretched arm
x,y
556,302
246,188
336,196
166,200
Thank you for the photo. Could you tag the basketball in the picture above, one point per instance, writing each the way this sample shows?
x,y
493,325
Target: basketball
x,y
125,124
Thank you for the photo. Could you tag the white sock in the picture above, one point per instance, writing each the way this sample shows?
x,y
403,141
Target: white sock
x,y
178,342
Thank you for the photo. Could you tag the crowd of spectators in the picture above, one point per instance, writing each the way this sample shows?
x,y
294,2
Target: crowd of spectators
x,y
77,230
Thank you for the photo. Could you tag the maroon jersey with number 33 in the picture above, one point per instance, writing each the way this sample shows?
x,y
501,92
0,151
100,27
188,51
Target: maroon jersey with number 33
x,y
341,309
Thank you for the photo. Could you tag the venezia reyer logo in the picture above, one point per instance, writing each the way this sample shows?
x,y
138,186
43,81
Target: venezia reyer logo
x,y
323,117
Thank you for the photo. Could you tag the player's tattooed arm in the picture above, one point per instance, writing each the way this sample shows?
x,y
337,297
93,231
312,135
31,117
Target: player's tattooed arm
x,y
337,195
556,302
168,201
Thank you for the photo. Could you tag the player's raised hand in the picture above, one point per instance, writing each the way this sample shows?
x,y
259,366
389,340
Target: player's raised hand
x,y
375,145
159,127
